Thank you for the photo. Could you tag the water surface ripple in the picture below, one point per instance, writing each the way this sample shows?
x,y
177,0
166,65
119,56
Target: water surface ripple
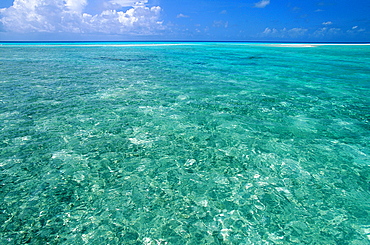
x,y
194,143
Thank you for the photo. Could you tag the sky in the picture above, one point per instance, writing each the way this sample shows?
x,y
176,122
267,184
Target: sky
x,y
185,20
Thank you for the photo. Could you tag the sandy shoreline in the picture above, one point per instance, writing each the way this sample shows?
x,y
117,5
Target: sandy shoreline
x,y
311,45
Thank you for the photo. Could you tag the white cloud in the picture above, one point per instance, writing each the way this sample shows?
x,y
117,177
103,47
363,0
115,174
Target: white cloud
x,y
325,32
327,23
297,32
76,6
68,16
262,4
269,31
356,29
220,23
115,4
284,33
125,3
182,16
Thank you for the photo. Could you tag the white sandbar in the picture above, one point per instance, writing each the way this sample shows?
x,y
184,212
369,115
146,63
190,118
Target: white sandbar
x,y
311,45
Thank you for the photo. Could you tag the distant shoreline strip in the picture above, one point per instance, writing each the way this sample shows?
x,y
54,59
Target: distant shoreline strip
x,y
312,45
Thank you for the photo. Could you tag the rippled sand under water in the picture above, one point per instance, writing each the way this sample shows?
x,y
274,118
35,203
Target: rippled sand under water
x,y
194,143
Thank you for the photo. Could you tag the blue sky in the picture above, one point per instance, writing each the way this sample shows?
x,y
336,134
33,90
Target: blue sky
x,y
214,20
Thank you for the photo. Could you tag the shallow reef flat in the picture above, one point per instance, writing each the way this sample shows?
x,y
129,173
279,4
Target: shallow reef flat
x,y
193,143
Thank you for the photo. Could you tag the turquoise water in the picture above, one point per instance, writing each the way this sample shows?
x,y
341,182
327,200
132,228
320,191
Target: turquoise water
x,y
195,143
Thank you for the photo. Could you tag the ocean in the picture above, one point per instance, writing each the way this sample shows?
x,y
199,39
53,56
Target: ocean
x,y
184,143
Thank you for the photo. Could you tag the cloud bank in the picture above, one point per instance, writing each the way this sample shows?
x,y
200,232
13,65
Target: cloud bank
x,y
313,34
57,16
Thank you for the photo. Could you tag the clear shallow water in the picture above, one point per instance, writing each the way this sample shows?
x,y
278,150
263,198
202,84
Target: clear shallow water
x,y
201,143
